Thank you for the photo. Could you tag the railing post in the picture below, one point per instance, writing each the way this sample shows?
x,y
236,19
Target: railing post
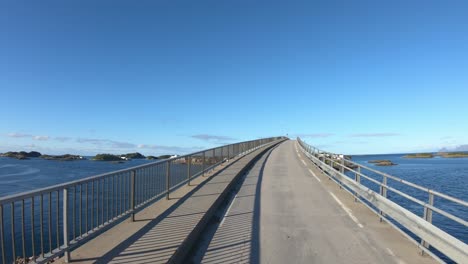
x,y
2,238
65,225
132,195
214,157
203,165
357,178
222,158
383,192
428,218
342,165
189,163
168,179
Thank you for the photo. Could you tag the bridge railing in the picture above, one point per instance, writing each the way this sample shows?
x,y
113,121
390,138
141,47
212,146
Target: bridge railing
x,y
335,167
40,225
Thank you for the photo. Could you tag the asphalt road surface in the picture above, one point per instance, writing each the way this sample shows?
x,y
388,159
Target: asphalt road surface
x,y
286,211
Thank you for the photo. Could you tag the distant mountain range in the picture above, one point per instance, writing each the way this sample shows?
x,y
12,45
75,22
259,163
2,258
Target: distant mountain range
x,y
458,148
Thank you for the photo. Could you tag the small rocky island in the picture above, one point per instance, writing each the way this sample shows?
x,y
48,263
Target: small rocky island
x,y
440,154
128,156
122,157
106,157
453,154
23,155
66,157
382,162
337,161
164,156
135,155
419,156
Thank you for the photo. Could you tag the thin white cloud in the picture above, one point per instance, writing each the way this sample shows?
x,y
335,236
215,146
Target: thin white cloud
x,y
106,142
62,139
315,135
117,144
446,138
375,135
19,135
91,141
207,137
169,149
41,138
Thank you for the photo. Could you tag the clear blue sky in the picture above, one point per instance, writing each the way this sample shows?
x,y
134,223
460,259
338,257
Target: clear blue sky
x,y
175,76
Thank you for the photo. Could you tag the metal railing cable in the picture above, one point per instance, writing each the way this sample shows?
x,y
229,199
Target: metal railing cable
x,y
39,225
335,167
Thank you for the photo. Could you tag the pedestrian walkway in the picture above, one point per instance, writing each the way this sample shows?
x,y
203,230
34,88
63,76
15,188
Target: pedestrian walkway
x,y
164,231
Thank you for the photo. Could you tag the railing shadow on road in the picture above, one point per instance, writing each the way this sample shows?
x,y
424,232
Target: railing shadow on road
x,y
147,244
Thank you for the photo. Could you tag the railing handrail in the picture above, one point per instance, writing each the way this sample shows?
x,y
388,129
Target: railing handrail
x,y
423,227
89,205
408,183
27,194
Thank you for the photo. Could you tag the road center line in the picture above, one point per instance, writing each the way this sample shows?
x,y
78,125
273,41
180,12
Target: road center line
x,y
347,210
313,174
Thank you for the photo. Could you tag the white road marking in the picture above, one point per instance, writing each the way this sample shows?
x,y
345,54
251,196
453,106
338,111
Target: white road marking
x,y
399,261
227,211
347,210
313,174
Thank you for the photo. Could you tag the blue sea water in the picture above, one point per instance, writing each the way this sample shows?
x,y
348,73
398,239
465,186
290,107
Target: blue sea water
x,y
445,175
17,176
25,175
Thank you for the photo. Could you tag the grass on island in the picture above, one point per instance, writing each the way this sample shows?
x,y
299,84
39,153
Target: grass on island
x,y
377,161
453,154
382,162
419,156
106,157
440,154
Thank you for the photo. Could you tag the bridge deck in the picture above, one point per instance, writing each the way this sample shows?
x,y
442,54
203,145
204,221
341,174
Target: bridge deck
x,y
163,228
285,211
284,214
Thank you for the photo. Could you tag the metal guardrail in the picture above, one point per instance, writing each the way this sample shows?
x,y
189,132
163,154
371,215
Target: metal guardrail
x,y
430,235
52,221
